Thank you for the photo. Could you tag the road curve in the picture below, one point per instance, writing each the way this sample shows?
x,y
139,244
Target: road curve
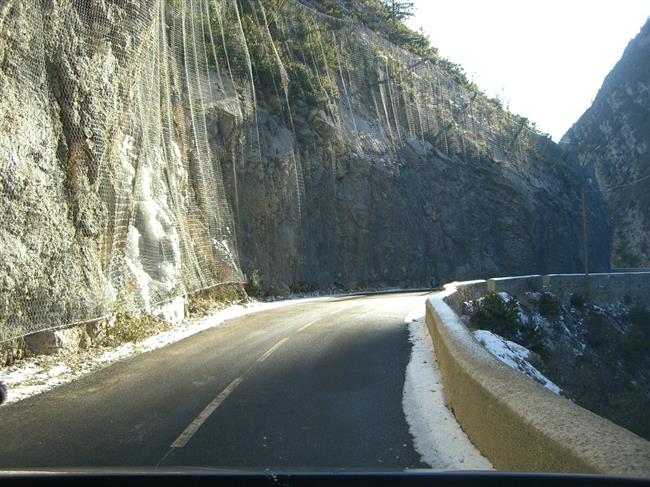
x,y
315,385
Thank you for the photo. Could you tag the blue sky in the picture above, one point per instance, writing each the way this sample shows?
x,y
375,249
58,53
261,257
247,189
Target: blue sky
x,y
544,59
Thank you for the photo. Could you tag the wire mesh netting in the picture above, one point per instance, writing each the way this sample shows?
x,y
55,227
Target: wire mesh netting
x,y
132,85
413,98
132,107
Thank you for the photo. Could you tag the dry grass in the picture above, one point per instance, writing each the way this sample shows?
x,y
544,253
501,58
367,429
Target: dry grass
x,y
129,327
214,298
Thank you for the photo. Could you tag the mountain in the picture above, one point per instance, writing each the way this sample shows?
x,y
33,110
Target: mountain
x,y
410,174
150,150
612,142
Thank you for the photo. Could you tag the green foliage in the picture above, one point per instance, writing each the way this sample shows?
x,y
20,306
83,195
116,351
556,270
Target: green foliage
x,y
636,342
333,8
598,330
497,315
534,338
304,83
577,301
254,284
216,297
640,316
549,305
265,64
130,327
399,9
306,55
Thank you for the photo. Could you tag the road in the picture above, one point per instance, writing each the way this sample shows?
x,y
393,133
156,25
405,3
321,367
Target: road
x,y
315,385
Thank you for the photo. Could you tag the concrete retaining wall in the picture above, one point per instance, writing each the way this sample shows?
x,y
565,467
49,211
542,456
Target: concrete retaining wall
x,y
469,291
514,285
632,287
517,424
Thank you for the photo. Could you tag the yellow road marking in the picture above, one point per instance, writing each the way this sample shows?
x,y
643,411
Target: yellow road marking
x,y
304,327
271,350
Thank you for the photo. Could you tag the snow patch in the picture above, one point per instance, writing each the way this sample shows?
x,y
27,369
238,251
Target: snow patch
x,y
172,312
437,436
35,375
513,355
158,272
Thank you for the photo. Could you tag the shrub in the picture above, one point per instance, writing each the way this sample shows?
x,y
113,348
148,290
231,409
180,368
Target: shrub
x,y
636,343
254,285
640,316
303,83
203,302
598,330
534,338
129,327
549,305
577,301
497,315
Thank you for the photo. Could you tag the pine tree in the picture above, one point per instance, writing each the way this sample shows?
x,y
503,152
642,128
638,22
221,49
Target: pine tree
x,y
399,9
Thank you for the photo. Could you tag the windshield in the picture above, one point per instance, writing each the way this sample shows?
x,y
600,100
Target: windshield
x,y
355,235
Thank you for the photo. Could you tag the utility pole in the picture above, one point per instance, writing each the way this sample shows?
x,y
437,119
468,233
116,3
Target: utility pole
x,y
585,243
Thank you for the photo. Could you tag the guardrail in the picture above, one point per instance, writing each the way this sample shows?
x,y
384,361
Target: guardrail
x,y
517,424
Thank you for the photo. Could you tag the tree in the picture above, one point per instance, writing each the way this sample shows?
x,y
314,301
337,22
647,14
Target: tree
x,y
400,9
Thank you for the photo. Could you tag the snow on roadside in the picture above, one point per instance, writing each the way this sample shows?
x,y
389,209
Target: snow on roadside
x,y
437,436
41,373
513,355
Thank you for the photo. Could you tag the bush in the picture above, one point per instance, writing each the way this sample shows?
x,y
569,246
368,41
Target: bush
x,y
129,327
549,305
493,313
207,300
636,343
254,285
640,316
577,301
599,331
534,338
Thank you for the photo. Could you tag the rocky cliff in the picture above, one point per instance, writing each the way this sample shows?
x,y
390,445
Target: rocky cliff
x,y
409,176
612,142
152,149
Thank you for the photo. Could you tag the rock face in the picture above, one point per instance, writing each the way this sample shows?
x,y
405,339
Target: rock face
x,y
407,218
400,178
147,148
109,196
612,141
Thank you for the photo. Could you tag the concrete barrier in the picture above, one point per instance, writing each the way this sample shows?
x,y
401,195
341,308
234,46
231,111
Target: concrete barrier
x,y
632,287
515,285
517,424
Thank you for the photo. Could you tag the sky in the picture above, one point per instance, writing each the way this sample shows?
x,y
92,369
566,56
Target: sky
x,y
545,59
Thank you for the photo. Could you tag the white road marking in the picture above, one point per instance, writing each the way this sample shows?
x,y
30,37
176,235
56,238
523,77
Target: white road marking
x,y
304,327
194,426
271,350
186,435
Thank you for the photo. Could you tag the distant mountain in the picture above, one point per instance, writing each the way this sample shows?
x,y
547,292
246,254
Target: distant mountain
x,y
612,141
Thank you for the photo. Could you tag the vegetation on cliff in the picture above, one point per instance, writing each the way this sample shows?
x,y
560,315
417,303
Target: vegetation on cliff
x,y
598,355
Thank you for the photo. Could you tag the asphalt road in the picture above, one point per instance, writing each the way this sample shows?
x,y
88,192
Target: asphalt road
x,y
315,385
